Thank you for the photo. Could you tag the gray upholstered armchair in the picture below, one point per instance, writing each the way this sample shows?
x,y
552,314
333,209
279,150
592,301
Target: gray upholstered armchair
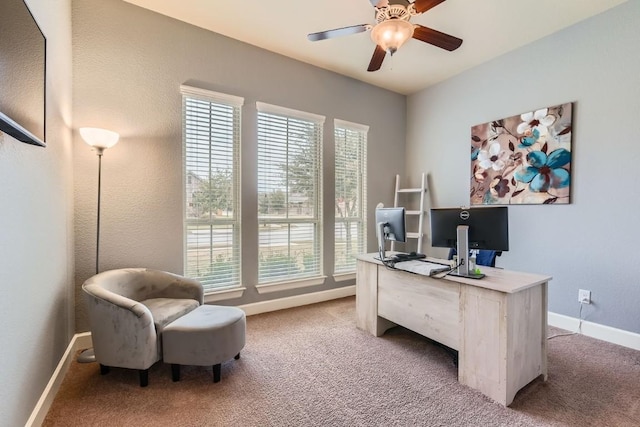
x,y
128,308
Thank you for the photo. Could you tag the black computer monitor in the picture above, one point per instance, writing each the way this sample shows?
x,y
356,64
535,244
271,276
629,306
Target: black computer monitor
x,y
390,225
470,228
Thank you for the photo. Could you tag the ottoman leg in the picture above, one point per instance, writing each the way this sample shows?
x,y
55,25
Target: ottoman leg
x,y
216,373
144,377
104,370
175,372
237,356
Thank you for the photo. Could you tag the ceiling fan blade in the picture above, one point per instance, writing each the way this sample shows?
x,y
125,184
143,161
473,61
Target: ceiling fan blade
x,y
344,31
424,5
436,38
376,59
380,3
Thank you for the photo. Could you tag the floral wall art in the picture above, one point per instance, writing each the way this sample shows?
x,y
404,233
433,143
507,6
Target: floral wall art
x,y
523,159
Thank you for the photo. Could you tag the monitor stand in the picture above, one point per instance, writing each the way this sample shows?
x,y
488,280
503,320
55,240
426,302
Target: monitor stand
x,y
463,255
381,241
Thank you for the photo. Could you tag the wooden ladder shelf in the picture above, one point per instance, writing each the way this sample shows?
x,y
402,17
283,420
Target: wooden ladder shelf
x,y
419,214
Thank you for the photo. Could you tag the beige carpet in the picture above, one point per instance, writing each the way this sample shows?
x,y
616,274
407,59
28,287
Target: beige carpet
x,y
311,366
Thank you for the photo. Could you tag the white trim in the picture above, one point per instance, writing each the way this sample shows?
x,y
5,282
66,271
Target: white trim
x,y
83,340
209,95
350,125
298,300
342,277
263,107
290,284
595,330
224,294
79,341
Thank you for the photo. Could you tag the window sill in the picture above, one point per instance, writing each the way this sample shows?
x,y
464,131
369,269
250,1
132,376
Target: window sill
x,y
294,284
224,294
343,277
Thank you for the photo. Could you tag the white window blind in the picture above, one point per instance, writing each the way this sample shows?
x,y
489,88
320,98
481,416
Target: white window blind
x,y
350,193
211,140
289,194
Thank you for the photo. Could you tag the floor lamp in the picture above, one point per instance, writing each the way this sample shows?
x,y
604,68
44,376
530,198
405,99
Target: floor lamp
x,y
99,139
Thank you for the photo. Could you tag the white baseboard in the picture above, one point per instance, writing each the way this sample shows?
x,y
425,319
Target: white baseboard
x,y
298,300
79,341
595,330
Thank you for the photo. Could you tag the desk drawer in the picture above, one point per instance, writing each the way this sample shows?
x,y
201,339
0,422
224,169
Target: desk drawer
x,y
425,305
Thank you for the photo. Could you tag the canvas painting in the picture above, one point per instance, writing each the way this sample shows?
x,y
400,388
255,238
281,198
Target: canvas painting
x,y
523,159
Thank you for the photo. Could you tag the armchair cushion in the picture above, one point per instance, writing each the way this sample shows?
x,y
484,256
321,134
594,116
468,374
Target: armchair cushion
x,y
166,310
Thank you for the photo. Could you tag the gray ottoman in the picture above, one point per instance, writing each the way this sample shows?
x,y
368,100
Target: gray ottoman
x,y
206,336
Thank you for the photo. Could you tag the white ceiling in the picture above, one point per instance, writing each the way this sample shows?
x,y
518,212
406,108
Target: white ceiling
x,y
489,28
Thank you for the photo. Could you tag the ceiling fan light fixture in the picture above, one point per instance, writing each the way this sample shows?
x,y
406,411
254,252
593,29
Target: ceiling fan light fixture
x,y
391,34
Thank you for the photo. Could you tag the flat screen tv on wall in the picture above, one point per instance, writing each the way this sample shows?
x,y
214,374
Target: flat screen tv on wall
x,y
22,74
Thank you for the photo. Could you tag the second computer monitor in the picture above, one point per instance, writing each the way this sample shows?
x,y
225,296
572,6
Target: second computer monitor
x,y
470,228
488,227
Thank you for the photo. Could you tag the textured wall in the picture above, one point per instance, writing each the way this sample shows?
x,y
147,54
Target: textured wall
x,y
36,235
591,243
128,66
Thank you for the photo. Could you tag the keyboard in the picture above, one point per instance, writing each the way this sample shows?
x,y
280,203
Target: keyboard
x,y
423,268
407,257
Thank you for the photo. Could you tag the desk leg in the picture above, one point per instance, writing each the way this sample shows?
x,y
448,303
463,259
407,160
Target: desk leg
x,y
503,340
382,326
482,356
544,327
367,300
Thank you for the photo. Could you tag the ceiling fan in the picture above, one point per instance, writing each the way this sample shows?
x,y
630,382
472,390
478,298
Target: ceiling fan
x,y
392,29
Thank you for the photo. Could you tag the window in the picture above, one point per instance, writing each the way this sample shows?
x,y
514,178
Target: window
x,y
350,182
289,194
211,140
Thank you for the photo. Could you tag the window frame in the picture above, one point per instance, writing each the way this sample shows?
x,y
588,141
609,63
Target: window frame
x,y
212,290
279,114
361,219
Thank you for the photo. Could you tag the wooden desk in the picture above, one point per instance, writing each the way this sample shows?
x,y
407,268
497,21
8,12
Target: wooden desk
x,y
498,324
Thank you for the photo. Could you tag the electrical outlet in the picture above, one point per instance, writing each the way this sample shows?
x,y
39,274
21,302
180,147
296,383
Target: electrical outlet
x,y
584,297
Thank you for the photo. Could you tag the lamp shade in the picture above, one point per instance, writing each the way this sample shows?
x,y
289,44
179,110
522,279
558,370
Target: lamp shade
x,y
99,138
391,34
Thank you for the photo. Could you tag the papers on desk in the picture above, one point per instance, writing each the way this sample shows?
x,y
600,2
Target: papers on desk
x,y
424,268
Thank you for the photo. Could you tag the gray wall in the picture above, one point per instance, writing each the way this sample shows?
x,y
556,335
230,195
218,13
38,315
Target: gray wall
x,y
36,235
592,243
128,66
